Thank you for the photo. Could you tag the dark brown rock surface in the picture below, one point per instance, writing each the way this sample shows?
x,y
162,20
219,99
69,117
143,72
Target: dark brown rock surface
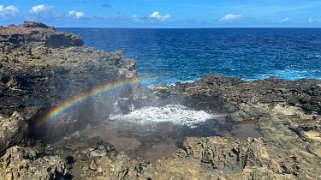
x,y
40,67
225,94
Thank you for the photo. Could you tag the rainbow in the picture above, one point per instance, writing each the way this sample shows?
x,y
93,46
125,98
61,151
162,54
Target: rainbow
x,y
61,108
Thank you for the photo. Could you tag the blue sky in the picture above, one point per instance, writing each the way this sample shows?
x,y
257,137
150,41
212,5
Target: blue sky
x,y
164,13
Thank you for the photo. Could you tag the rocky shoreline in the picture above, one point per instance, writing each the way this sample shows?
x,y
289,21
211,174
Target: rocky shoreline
x,y
41,67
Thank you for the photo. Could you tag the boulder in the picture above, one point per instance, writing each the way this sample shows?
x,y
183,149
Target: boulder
x,y
13,131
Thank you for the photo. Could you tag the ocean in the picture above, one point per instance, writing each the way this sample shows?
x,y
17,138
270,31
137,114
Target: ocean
x,y
172,55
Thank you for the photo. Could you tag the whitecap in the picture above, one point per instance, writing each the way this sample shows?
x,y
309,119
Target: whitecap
x,y
176,114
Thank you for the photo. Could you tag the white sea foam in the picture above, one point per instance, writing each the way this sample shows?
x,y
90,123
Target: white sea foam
x,y
290,74
176,114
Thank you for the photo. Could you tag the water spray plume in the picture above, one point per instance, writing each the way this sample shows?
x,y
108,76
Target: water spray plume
x,y
61,108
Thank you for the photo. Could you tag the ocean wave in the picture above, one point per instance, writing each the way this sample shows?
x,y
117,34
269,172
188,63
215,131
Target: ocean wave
x,y
289,74
288,54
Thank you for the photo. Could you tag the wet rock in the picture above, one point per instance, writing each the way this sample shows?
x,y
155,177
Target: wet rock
x,y
13,131
224,94
26,163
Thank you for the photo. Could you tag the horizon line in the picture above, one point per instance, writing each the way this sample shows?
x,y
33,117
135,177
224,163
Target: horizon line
x,y
245,27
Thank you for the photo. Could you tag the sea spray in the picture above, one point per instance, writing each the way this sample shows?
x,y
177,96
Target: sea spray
x,y
176,114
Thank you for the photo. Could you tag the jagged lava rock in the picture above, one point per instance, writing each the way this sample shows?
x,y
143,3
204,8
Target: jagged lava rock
x,y
232,95
40,67
34,34
13,131
27,163
36,73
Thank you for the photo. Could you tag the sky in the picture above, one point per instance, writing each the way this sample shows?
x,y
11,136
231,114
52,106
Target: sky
x,y
163,13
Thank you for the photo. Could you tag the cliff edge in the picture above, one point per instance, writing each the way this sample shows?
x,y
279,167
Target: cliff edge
x,y
40,67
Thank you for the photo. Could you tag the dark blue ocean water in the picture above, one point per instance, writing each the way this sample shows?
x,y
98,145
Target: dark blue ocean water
x,y
172,55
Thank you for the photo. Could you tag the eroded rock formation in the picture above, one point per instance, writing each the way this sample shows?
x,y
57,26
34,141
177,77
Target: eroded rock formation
x,y
28,163
13,131
34,34
40,67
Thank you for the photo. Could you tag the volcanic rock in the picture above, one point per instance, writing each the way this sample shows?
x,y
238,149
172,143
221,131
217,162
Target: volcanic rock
x,y
13,131
34,34
26,163
232,95
40,67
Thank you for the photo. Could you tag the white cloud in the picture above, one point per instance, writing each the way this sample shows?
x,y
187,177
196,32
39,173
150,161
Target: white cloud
x,y
135,18
8,10
40,9
231,17
310,20
313,20
76,14
156,15
285,20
